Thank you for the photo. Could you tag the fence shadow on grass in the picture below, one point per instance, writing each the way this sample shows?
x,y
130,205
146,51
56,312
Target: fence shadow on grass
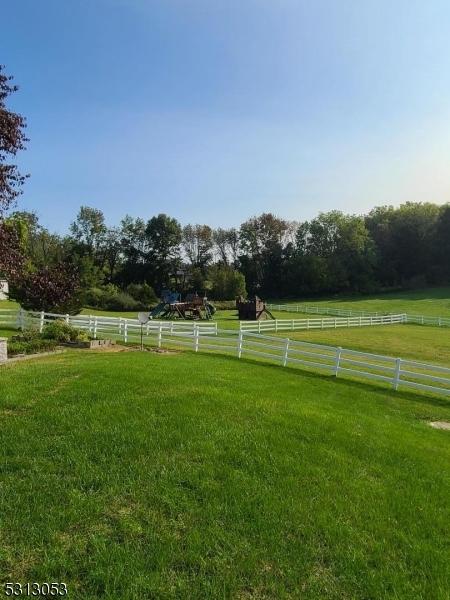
x,y
381,390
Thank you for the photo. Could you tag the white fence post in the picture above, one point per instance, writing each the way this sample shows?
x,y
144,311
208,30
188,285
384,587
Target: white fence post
x,y
160,335
240,341
286,352
20,319
337,361
67,319
396,379
41,321
90,324
125,332
95,327
196,336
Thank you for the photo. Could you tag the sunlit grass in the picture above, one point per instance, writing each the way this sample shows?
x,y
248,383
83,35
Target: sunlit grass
x,y
430,301
197,476
427,344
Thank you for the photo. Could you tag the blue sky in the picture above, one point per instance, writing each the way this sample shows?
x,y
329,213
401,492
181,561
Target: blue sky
x,y
216,110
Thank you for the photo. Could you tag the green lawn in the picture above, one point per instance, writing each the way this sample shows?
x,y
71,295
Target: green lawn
x,y
136,476
431,301
110,313
7,332
8,304
227,319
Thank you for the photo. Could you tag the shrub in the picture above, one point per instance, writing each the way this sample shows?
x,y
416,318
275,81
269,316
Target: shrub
x,y
225,304
109,297
143,293
122,301
33,346
27,335
226,282
61,332
94,297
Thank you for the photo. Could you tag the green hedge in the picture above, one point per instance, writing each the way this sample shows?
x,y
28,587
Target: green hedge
x,y
61,332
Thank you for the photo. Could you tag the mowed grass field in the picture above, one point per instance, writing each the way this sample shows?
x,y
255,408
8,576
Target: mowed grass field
x,y
416,342
140,475
430,301
422,343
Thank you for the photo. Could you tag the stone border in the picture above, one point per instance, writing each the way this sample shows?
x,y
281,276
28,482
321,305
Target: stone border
x,y
90,344
16,359
3,350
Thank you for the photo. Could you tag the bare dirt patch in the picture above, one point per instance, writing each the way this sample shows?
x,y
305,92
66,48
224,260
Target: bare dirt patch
x,y
112,348
12,412
440,425
119,348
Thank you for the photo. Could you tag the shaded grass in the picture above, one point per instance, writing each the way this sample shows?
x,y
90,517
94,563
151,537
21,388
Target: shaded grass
x,y
7,332
179,476
8,304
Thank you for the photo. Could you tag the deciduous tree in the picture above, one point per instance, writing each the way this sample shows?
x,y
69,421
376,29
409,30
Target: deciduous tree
x,y
12,139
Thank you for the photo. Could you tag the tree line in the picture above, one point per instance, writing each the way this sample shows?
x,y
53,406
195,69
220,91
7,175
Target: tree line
x,y
408,246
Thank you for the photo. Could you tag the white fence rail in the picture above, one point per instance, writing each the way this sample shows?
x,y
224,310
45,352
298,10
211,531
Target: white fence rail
x,y
98,326
323,323
343,312
425,320
396,372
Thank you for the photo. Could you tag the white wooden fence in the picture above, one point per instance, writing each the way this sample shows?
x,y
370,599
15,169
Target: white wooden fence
x,y
323,323
425,320
343,312
100,326
396,372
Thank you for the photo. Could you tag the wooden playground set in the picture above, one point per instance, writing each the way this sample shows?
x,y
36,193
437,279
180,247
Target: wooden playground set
x,y
195,307
253,309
